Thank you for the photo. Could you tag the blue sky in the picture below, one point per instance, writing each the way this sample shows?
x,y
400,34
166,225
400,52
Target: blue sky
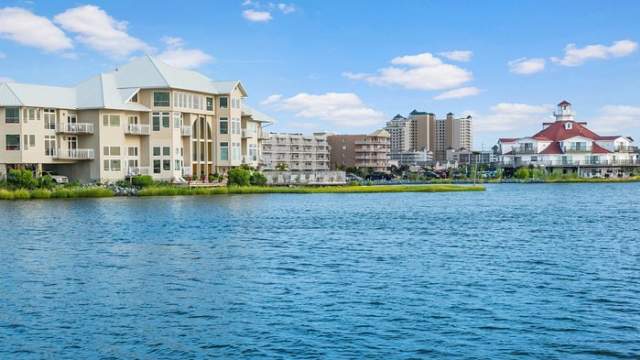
x,y
348,66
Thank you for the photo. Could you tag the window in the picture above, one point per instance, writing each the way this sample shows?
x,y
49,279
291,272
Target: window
x,y
156,121
161,98
209,104
105,164
12,142
166,151
12,115
224,102
156,151
25,141
115,151
224,151
178,166
49,145
114,120
105,151
115,165
177,120
134,98
132,151
224,126
165,120
166,165
32,140
133,163
32,114
156,167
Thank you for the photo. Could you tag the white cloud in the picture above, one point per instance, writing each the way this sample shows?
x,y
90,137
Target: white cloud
x,y
175,54
4,79
338,109
513,117
257,16
26,28
458,93
271,99
574,56
286,8
98,30
525,66
457,55
419,72
615,119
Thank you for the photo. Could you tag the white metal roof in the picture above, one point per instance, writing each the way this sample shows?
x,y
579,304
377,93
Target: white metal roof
x,y
256,115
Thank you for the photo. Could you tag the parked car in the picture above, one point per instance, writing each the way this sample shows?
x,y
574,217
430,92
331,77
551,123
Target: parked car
x,y
353,178
431,175
58,179
377,176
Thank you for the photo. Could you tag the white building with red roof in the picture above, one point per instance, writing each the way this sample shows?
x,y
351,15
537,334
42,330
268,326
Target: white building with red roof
x,y
567,143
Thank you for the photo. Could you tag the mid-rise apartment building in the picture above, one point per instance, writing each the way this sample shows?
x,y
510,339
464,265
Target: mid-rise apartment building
x,y
296,152
361,151
422,132
145,117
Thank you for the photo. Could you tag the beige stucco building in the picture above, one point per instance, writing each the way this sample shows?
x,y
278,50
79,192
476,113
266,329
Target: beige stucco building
x,y
296,152
145,117
361,151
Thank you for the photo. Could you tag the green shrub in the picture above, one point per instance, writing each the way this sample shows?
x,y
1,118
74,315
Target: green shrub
x,y
45,182
142,181
22,179
522,173
239,177
21,194
6,194
40,194
258,179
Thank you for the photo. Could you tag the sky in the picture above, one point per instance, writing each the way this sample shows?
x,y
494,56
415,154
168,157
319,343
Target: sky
x,y
350,66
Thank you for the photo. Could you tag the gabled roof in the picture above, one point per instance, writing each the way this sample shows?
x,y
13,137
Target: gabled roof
x,y
557,131
553,149
597,149
16,94
507,140
256,115
227,87
564,102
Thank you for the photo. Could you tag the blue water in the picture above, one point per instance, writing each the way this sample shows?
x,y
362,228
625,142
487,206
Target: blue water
x,y
518,271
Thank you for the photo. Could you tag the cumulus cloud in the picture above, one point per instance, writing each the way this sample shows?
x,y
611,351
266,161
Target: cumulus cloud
x,y
175,54
457,55
26,28
514,118
418,72
458,93
286,8
98,30
257,16
574,56
525,66
271,99
616,119
338,109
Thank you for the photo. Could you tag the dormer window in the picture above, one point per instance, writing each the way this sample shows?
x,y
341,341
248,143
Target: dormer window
x,y
568,126
134,98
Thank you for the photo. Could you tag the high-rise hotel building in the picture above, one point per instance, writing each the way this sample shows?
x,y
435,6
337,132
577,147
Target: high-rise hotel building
x,y
145,117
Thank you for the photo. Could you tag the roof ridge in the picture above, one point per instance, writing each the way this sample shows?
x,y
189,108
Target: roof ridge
x,y
155,66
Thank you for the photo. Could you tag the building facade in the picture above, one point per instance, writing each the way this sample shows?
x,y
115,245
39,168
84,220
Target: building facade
x,y
361,151
421,131
296,152
569,145
145,117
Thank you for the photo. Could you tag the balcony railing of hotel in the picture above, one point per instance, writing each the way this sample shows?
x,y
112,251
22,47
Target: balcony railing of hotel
x,y
139,170
137,129
248,133
75,128
187,171
185,131
372,157
372,142
74,154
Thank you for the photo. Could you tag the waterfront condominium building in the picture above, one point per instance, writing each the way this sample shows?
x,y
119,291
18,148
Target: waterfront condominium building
x,y
145,117
422,136
296,152
361,151
568,145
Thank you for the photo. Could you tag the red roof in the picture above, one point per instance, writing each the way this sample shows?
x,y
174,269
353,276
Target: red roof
x,y
505,140
597,149
553,149
558,132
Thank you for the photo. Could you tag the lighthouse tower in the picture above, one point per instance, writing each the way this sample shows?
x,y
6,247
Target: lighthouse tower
x,y
564,111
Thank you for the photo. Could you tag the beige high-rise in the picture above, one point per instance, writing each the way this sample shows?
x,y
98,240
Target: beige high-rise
x,y
145,117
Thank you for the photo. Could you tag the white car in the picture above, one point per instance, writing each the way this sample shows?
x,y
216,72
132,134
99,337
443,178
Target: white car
x,y
58,179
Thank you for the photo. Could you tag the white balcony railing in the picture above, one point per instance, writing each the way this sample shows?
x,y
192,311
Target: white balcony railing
x,y
138,129
185,131
75,128
74,154
248,133
140,170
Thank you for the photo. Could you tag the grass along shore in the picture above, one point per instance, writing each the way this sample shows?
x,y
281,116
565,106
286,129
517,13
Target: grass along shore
x,y
169,190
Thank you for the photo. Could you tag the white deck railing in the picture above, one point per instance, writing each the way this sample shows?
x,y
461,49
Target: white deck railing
x,y
74,154
138,129
75,128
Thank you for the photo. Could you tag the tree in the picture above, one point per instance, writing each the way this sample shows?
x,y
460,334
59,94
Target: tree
x,y
239,177
22,179
282,167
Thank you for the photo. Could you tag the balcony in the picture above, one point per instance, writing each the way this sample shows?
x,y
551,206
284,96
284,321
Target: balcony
x,y
263,135
75,128
247,133
185,131
137,129
133,171
74,154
